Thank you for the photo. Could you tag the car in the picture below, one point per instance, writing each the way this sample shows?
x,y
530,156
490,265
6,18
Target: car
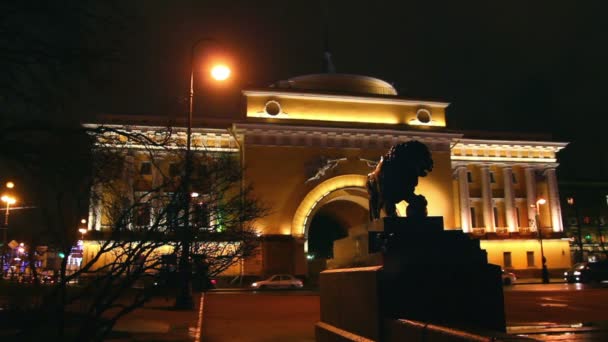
x,y
508,278
586,272
279,281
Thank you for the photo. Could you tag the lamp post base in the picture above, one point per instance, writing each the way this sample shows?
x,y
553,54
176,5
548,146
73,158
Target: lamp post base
x,y
545,275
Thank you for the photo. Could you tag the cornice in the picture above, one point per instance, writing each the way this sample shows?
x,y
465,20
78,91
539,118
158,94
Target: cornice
x,y
342,98
281,135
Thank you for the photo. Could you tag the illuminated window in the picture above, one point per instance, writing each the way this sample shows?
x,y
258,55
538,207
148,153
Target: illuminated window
x,y
506,259
145,168
469,177
530,258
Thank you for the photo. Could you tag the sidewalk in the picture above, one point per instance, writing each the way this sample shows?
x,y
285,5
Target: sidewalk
x,y
522,281
158,321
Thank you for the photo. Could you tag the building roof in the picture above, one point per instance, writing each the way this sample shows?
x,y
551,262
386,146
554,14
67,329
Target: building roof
x,y
332,82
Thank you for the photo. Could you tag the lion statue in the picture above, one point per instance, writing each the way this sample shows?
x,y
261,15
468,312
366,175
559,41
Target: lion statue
x,y
395,179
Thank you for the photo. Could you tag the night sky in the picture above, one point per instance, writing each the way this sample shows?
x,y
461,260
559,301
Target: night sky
x,y
521,66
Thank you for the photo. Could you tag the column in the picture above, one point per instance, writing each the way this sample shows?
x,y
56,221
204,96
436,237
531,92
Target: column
x,y
507,174
531,194
556,212
486,198
463,192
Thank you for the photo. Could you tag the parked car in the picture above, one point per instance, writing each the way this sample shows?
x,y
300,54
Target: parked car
x,y
279,281
586,272
508,278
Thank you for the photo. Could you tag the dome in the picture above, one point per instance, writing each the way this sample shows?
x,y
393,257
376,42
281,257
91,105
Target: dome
x,y
340,83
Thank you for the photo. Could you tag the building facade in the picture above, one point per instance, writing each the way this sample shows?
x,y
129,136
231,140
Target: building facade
x,y
309,142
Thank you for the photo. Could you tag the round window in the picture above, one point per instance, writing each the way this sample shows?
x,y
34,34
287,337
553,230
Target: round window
x,y
423,115
272,108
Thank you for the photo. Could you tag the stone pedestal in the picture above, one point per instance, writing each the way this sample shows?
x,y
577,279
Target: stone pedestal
x,y
428,275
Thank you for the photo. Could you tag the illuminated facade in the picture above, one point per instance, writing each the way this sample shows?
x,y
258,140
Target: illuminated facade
x,y
309,142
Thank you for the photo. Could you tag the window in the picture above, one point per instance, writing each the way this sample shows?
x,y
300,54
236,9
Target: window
x,y
517,219
473,218
174,170
201,216
492,178
530,258
142,215
514,178
470,177
495,210
145,168
506,259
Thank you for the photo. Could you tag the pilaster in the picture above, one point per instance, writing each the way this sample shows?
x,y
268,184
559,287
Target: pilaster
x,y
486,198
556,212
507,173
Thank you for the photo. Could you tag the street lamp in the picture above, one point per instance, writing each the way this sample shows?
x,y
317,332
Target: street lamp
x,y
83,229
9,200
545,271
183,299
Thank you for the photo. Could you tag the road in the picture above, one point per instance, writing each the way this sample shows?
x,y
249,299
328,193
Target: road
x,y
534,310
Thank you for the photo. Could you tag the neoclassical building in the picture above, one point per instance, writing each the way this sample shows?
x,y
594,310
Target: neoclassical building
x,y
308,143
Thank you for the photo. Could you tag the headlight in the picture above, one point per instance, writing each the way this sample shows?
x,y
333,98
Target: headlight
x,y
254,285
577,273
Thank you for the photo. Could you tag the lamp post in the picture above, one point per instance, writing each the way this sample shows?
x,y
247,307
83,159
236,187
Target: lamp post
x,y
544,271
9,200
82,230
183,298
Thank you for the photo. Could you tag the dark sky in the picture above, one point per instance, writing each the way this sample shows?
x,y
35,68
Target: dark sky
x,y
539,66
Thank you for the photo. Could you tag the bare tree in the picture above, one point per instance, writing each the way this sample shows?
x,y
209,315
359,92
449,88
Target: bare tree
x,y
140,221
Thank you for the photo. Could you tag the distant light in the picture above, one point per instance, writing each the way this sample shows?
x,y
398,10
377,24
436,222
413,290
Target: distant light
x,y
82,230
83,221
10,185
220,72
541,201
194,195
61,255
8,199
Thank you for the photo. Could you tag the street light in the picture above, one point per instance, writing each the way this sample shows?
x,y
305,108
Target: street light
x,y
83,229
545,271
9,200
183,299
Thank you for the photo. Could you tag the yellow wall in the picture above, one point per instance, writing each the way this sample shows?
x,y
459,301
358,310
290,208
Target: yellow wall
x,y
282,186
556,251
342,110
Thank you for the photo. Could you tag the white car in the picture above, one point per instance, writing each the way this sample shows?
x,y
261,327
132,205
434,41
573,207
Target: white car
x,y
508,278
279,281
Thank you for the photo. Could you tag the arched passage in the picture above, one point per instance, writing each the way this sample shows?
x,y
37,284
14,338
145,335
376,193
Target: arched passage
x,y
321,195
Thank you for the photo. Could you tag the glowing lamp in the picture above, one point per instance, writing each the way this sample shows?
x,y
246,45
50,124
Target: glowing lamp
x,y
220,72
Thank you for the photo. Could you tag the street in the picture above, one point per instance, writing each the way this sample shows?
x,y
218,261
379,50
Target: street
x,y
532,310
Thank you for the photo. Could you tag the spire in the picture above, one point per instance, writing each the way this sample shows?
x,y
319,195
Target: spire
x,y
328,65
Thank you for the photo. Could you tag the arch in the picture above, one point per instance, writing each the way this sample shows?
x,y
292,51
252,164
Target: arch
x,y
302,215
